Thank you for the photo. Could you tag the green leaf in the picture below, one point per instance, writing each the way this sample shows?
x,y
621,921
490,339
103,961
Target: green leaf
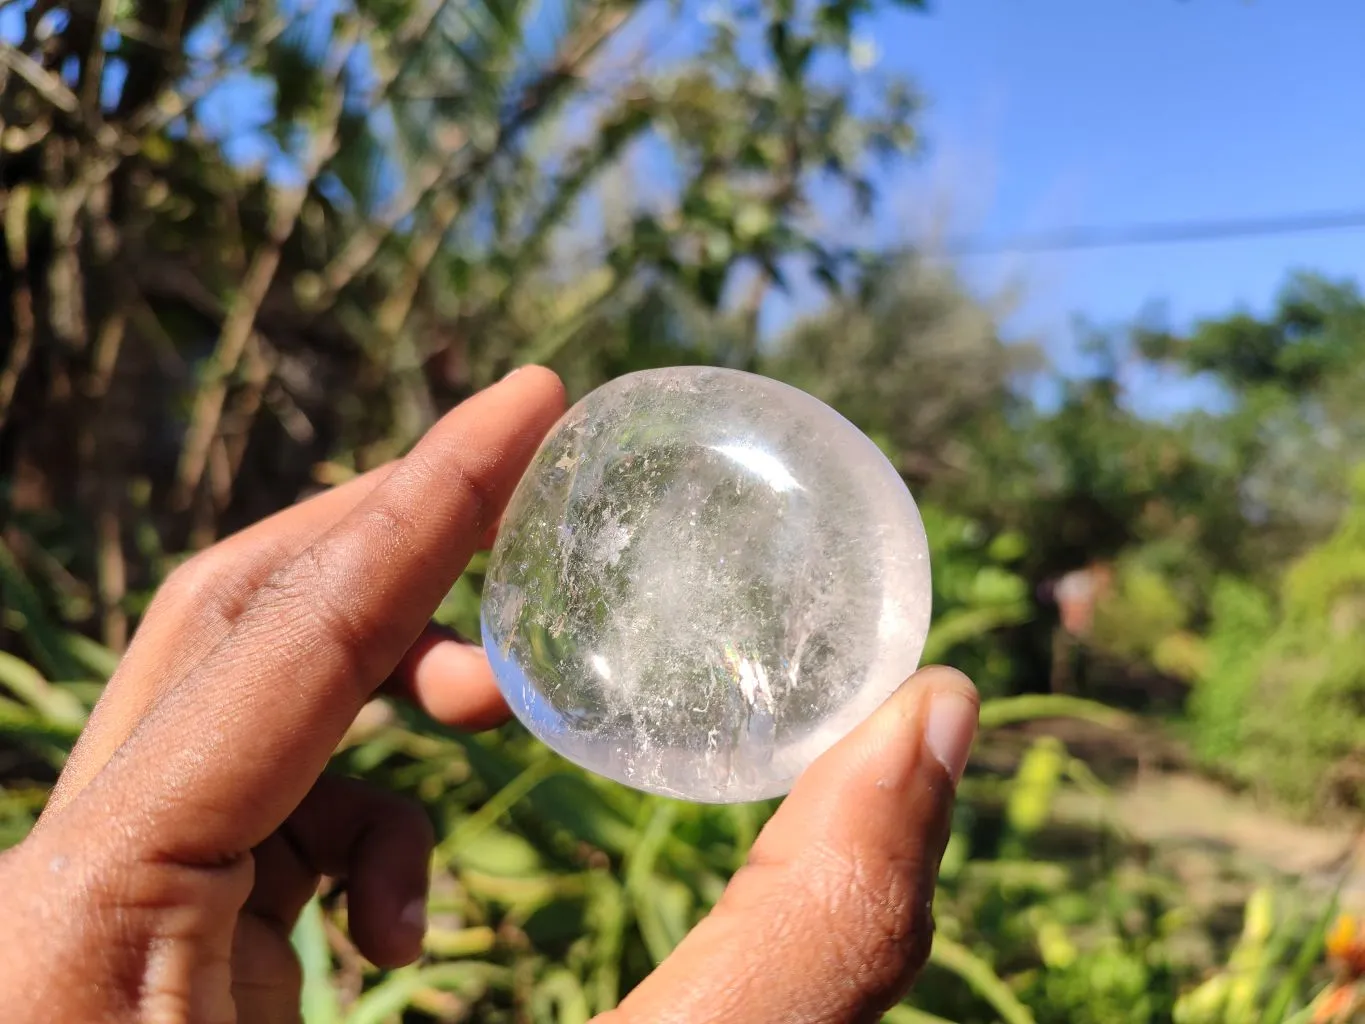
x,y
44,640
964,624
23,722
656,903
319,1003
94,657
1307,959
903,1014
502,802
1004,711
559,999
395,993
977,973
607,920
491,850
56,705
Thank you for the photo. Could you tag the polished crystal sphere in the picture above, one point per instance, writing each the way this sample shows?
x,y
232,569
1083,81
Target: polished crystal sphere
x,y
703,581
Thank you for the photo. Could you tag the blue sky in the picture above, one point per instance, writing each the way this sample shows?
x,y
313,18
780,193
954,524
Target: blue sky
x,y
1048,114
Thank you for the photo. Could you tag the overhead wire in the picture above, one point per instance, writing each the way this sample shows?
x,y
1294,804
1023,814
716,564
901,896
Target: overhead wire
x,y
1168,233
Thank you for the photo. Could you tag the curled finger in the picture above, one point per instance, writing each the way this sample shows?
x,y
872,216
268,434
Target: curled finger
x,y
377,841
450,680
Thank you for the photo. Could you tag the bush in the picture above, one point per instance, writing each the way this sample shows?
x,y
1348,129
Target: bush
x,y
1282,704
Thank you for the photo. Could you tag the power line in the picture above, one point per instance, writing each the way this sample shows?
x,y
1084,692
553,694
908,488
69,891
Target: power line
x,y
1175,232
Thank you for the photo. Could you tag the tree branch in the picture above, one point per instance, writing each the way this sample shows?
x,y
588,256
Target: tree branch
x,y
168,19
172,102
240,321
44,82
535,99
21,313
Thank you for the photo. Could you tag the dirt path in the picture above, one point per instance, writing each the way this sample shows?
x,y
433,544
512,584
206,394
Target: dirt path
x,y
1176,810
1160,799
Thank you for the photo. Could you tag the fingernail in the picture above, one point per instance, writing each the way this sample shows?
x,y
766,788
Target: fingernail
x,y
414,917
512,372
950,730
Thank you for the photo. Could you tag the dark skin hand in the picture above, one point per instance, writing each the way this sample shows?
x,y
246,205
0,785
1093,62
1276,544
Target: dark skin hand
x,y
193,821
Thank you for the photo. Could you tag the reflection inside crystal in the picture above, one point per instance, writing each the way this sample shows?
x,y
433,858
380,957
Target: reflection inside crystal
x,y
766,466
704,579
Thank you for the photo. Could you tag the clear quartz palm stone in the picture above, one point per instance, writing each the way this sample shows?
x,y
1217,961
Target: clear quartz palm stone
x,y
704,580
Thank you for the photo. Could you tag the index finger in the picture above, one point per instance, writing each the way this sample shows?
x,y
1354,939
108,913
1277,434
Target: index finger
x,y
187,620
221,761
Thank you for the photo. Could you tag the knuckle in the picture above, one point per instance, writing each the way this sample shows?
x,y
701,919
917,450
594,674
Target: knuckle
x,y
259,976
206,587
323,595
878,917
474,483
387,525
312,587
306,592
194,579
403,815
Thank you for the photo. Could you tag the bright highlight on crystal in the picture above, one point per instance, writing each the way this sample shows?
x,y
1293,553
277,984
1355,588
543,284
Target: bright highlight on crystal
x,y
705,579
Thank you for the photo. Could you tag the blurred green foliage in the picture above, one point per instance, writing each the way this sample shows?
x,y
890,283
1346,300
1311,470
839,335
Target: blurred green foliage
x,y
203,319
976,592
555,891
1281,702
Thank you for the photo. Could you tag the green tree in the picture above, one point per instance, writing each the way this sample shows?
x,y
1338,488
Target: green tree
x,y
918,363
204,316
1295,379
1280,703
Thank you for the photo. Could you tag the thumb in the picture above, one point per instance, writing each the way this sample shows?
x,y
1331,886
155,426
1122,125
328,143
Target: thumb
x,y
831,919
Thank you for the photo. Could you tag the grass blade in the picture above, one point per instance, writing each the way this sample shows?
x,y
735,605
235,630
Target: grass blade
x,y
395,993
980,978
902,1014
319,1004
1034,706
